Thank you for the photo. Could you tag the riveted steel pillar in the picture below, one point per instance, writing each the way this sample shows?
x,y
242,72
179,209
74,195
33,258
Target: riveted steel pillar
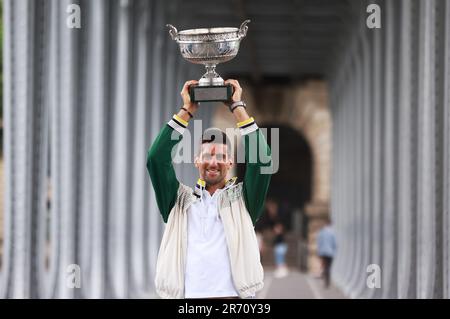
x,y
407,185
389,214
439,150
22,143
377,142
427,214
446,198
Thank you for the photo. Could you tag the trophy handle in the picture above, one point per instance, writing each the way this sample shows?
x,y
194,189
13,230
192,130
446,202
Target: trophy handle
x,y
243,29
173,32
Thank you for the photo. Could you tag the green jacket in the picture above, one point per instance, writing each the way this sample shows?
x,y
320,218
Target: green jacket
x,y
164,180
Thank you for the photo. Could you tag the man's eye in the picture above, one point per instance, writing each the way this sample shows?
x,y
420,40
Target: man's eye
x,y
206,157
220,157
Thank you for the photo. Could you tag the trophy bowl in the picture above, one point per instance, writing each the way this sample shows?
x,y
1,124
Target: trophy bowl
x,y
209,46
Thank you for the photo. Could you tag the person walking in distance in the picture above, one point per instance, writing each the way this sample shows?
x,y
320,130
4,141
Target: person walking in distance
x,y
326,249
280,248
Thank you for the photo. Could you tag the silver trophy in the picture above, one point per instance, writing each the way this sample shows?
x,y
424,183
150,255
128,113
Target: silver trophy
x,y
209,46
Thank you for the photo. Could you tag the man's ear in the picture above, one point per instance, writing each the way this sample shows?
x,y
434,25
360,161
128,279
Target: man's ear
x,y
197,161
230,162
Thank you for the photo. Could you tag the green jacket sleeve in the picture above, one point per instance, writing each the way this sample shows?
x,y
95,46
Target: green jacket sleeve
x,y
257,177
161,171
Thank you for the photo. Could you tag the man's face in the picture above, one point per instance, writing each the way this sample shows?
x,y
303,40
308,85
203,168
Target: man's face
x,y
213,163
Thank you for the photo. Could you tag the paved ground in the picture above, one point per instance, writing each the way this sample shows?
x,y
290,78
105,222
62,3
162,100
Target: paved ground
x,y
296,285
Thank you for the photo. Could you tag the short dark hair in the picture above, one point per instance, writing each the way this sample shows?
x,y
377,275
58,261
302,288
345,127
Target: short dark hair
x,y
215,135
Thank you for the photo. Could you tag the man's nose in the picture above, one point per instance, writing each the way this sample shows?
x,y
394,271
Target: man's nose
x,y
213,161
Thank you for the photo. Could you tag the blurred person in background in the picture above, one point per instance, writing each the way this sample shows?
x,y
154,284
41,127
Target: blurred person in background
x,y
326,249
265,223
280,250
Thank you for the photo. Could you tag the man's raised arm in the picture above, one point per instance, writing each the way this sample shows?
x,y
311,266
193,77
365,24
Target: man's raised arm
x,y
256,183
159,159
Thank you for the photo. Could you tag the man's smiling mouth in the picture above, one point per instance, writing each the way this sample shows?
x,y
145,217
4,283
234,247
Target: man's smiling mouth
x,y
212,171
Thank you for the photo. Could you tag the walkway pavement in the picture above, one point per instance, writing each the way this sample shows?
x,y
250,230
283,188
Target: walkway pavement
x,y
296,285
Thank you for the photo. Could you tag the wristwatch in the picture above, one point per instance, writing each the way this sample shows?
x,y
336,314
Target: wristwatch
x,y
236,104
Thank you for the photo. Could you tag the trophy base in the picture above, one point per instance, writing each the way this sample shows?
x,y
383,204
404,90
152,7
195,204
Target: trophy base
x,y
207,80
211,93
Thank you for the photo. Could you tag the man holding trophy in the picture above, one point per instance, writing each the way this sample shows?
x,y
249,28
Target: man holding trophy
x,y
209,247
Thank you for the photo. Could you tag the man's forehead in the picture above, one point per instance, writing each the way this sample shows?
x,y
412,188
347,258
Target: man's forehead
x,y
214,148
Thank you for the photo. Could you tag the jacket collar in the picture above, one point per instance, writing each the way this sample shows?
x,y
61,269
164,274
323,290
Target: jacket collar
x,y
201,185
